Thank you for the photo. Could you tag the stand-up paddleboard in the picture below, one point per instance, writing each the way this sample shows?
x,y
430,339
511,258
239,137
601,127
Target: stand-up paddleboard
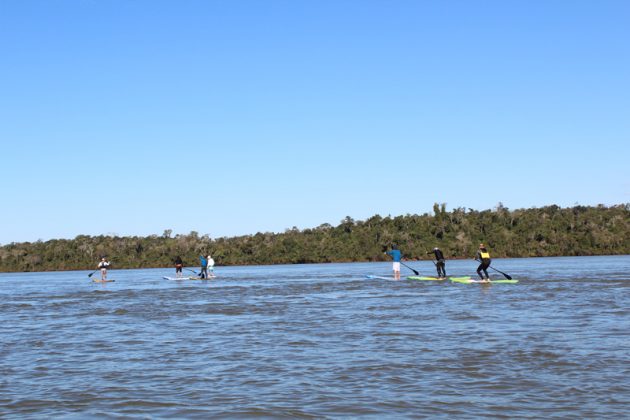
x,y
102,281
379,277
187,278
429,278
469,280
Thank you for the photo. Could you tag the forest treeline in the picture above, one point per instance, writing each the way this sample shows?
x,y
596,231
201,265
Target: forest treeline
x,y
545,231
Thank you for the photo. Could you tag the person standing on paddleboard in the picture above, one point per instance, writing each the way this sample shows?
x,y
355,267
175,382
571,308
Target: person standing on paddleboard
x,y
441,262
211,266
483,256
204,267
396,256
103,265
179,264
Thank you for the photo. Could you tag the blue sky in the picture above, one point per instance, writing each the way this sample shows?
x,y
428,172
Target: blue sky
x,y
234,117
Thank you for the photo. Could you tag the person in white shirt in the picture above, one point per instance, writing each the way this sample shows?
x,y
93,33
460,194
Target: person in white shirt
x,y
210,267
103,266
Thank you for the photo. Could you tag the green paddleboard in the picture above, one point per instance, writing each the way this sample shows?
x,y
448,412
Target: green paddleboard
x,y
469,280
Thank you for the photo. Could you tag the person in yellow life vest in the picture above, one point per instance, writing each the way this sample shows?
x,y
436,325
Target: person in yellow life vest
x,y
483,256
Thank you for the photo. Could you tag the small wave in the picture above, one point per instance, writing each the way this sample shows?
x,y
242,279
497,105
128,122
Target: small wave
x,y
144,403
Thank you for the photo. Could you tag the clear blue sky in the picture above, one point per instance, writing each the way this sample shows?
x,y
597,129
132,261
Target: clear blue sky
x,y
233,117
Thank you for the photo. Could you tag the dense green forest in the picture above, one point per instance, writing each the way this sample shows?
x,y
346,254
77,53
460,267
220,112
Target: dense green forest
x,y
546,231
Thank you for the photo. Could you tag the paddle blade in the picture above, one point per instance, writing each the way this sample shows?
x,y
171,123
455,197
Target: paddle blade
x,y
414,271
507,276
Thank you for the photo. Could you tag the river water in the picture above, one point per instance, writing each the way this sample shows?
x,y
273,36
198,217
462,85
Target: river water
x,y
320,341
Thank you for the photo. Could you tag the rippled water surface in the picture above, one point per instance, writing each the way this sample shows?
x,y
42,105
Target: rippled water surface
x,y
317,341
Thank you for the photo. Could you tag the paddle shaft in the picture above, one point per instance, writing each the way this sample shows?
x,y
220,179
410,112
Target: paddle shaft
x,y
507,276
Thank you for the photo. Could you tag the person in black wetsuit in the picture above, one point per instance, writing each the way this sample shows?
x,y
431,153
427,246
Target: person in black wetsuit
x,y
179,264
440,262
483,256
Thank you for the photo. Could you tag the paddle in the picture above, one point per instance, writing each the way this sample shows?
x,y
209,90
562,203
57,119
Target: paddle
x,y
414,271
192,271
507,276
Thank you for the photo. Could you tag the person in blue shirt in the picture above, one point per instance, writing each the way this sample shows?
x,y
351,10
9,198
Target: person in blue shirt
x,y
396,256
204,267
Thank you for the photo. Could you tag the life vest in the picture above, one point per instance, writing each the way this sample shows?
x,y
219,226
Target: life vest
x,y
484,255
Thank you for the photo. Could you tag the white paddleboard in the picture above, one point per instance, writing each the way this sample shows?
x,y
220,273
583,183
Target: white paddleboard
x,y
379,277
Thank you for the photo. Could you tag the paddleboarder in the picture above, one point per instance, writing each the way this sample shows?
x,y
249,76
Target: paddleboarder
x,y
179,265
211,266
440,262
396,257
483,256
103,265
204,267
